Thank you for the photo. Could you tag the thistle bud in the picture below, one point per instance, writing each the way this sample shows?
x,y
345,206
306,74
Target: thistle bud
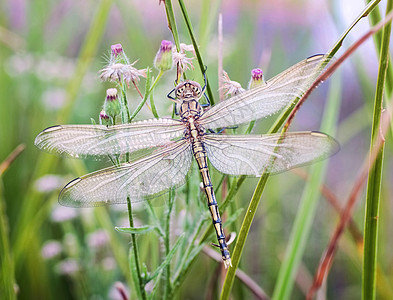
x,y
112,103
116,49
104,118
256,79
118,55
163,60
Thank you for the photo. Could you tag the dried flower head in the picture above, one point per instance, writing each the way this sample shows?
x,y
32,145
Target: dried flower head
x,y
181,60
229,86
116,72
256,78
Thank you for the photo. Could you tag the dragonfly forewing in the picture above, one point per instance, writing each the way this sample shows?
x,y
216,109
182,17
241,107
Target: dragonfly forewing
x,y
145,177
267,99
99,141
253,155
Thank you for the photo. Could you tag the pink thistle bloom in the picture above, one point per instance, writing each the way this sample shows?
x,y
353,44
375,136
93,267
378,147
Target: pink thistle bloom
x,y
231,87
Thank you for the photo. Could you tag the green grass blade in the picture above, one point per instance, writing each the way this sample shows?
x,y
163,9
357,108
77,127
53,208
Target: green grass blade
x,y
7,279
241,240
375,175
306,212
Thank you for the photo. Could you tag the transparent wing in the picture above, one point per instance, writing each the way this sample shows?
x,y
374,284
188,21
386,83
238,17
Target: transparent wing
x,y
99,141
252,154
145,177
267,99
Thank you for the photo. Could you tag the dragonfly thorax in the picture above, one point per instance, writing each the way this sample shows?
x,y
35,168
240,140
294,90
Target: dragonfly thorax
x,y
188,90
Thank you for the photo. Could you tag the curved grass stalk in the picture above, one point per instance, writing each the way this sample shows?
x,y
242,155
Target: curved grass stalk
x,y
375,175
229,279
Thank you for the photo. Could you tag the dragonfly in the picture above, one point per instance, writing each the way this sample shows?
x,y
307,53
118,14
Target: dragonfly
x,y
175,142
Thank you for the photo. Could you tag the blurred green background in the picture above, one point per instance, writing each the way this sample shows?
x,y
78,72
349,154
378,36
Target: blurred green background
x,y
50,56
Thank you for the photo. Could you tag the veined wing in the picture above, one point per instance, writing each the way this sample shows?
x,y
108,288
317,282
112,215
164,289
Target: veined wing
x,y
267,99
99,141
254,154
148,176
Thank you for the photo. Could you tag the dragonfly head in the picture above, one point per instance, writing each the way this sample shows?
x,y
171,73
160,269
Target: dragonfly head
x,y
188,90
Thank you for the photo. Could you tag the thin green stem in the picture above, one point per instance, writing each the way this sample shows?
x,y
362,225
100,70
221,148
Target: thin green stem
x,y
153,107
125,111
241,240
168,286
196,48
146,96
7,272
375,175
135,252
172,23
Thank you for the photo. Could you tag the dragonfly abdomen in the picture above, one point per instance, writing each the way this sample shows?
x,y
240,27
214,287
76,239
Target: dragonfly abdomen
x,y
201,158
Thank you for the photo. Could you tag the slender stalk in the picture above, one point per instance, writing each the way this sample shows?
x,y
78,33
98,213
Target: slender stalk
x,y
241,240
375,175
125,112
135,252
153,107
375,18
7,272
196,48
306,212
172,22
168,286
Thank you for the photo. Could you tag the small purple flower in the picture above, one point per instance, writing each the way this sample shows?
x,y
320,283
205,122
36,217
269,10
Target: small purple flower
x,y
51,249
163,60
256,78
